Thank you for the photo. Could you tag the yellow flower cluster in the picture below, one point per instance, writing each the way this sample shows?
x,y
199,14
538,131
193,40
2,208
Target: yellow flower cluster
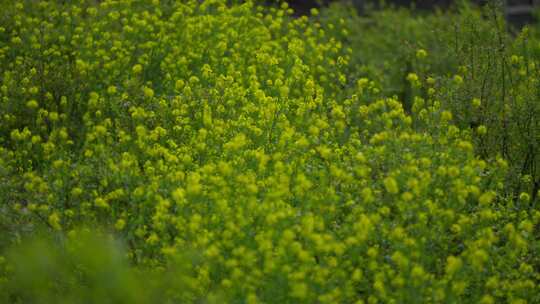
x,y
189,126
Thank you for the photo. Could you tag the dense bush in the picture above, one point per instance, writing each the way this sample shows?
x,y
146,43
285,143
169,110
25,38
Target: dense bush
x,y
469,60
239,157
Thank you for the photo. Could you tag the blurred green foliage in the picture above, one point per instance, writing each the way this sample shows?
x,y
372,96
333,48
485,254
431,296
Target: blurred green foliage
x,y
89,266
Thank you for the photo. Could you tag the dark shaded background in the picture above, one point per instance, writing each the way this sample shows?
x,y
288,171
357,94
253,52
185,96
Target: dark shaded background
x,y
303,6
518,12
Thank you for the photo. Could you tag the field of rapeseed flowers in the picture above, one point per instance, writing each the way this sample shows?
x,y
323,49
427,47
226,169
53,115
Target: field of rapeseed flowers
x,y
218,152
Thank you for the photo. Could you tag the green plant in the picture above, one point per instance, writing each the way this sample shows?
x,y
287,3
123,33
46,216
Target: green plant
x,y
241,140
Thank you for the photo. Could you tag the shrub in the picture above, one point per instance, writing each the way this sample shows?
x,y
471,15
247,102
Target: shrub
x,y
235,132
469,60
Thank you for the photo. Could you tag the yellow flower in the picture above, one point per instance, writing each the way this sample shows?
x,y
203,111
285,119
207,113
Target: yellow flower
x,y
421,53
32,104
487,299
418,273
362,82
459,287
148,92
53,116
391,185
325,152
33,90
486,198
299,290
252,299
54,221
137,69
481,130
179,85
120,224
453,264
412,77
446,116
524,197
476,102
236,143
357,275
101,203
152,239
478,258
458,79
514,59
